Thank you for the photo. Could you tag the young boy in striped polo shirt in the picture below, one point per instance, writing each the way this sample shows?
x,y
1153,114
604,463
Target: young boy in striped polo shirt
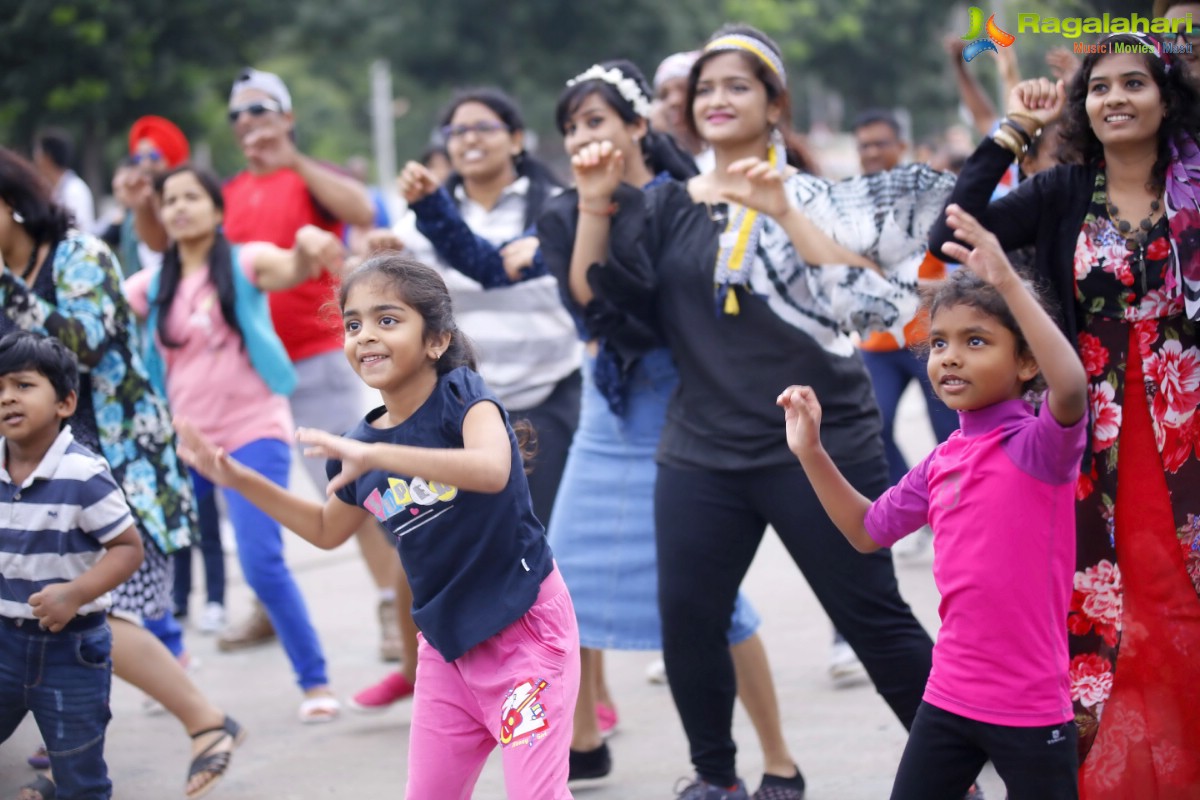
x,y
66,538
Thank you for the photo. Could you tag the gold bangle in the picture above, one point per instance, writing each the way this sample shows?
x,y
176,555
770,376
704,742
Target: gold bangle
x,y
1035,125
1006,140
1016,130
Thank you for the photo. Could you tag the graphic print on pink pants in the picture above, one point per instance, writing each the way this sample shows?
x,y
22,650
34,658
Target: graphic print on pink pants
x,y
516,690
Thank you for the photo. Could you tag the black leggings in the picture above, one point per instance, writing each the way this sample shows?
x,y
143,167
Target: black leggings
x,y
554,421
709,524
945,752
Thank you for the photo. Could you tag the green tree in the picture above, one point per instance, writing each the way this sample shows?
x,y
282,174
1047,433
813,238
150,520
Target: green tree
x,y
93,66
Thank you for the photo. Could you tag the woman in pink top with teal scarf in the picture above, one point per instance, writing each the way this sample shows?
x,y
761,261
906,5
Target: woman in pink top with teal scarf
x,y
217,358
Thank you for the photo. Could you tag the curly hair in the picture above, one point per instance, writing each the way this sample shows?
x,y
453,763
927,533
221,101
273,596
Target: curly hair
x,y
962,287
1180,95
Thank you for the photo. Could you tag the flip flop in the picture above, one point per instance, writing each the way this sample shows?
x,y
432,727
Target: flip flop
x,y
214,764
319,710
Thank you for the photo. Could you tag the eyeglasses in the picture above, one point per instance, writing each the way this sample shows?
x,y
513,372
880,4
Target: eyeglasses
x,y
255,109
153,157
481,128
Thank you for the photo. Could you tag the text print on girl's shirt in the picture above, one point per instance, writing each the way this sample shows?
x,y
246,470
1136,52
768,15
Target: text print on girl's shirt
x,y
420,501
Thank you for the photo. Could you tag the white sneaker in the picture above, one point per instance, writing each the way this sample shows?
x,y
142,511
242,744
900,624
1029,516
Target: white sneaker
x,y
656,671
844,666
212,620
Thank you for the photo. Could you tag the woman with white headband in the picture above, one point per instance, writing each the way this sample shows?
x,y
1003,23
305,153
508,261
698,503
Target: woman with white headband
x,y
724,266
609,559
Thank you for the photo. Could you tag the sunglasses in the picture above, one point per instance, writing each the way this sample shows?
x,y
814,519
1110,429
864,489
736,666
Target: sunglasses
x,y
255,109
481,128
152,157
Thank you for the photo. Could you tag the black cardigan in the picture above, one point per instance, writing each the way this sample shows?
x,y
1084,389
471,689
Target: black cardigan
x,y
1047,211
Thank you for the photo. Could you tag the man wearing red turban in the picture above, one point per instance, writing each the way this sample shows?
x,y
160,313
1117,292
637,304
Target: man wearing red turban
x,y
158,142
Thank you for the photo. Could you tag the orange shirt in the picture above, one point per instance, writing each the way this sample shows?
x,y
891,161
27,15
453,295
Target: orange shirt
x,y
917,330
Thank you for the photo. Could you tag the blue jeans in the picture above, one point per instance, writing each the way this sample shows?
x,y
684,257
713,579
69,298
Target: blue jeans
x,y
891,371
64,679
211,553
260,552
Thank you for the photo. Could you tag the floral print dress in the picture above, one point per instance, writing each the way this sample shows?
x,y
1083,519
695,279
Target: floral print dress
x,y
1135,611
87,312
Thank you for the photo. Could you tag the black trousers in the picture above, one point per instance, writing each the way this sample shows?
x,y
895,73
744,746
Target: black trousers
x,y
709,524
554,421
945,752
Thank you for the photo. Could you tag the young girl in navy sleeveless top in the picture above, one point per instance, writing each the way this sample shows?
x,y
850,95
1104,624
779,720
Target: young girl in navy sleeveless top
x,y
439,465
999,495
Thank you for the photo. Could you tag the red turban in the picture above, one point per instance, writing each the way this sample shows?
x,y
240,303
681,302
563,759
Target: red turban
x,y
169,140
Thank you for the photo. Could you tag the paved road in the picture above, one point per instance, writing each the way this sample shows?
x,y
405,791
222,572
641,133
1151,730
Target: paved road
x,y
847,742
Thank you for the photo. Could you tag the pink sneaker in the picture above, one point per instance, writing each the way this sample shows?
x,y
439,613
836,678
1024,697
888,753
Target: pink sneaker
x,y
606,719
378,697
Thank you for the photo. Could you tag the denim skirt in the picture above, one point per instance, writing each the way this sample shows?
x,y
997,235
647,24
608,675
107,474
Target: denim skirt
x,y
602,526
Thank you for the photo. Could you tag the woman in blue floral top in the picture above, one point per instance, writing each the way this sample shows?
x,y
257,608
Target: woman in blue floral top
x,y
66,284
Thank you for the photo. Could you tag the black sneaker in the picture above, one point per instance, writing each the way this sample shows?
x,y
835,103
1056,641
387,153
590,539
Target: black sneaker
x,y
587,764
700,789
774,787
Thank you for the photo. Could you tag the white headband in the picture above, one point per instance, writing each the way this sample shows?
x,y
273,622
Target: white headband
x,y
627,87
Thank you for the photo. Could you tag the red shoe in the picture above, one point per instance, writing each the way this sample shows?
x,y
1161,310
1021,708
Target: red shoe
x,y
394,688
606,719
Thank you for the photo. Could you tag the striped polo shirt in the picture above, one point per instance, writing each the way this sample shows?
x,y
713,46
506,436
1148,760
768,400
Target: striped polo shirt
x,y
54,525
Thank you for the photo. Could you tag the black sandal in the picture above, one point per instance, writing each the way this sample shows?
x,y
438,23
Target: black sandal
x,y
43,786
210,763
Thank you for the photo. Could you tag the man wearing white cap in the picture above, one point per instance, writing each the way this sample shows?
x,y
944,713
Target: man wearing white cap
x,y
280,191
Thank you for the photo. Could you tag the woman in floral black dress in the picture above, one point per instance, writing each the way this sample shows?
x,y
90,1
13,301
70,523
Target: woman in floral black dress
x,y
1118,239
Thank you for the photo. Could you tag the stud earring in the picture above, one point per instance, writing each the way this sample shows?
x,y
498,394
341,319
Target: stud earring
x,y
18,217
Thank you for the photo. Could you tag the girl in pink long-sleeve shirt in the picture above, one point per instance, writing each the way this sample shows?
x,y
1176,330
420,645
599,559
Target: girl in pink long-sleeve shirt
x,y
999,495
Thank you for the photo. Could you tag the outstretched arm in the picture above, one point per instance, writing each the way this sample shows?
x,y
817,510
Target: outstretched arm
x,y
326,526
482,464
978,105
844,504
1055,357
314,252
764,191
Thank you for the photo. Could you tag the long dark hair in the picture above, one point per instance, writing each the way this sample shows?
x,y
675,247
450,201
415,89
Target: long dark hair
x,y
542,180
1180,97
424,290
797,152
220,261
659,150
28,194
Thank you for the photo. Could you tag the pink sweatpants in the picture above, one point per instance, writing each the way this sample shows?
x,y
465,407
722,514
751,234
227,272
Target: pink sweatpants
x,y
517,689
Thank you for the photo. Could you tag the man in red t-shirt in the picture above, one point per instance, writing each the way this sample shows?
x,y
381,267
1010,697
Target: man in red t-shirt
x,y
280,191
